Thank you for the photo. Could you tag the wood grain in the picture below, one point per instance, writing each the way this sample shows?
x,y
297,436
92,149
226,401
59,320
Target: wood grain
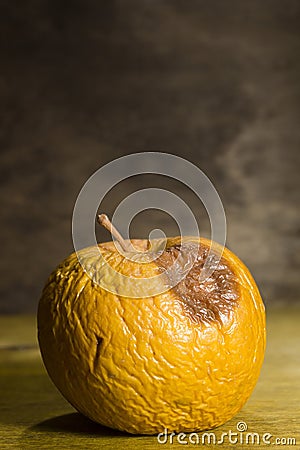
x,y
33,414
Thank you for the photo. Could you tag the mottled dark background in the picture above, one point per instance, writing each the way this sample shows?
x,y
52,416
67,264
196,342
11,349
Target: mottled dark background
x,y
85,81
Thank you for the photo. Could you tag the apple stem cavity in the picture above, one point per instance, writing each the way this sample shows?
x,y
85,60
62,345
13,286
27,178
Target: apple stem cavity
x,y
106,223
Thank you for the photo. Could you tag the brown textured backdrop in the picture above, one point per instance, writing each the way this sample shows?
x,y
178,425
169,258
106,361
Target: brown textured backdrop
x,y
85,81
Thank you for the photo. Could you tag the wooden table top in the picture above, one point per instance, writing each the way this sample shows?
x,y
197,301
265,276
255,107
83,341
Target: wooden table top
x,y
34,415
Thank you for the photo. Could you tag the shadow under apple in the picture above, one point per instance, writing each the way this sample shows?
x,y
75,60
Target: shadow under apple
x,y
75,423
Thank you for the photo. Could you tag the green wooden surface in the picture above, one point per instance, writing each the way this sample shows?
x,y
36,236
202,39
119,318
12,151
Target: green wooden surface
x,y
34,415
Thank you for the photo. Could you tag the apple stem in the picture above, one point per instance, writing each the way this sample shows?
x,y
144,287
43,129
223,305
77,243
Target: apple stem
x,y
106,223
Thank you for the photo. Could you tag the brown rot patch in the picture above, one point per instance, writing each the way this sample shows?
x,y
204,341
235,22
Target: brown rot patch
x,y
203,301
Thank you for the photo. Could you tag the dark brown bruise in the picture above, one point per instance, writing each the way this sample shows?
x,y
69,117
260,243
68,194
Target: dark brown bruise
x,y
208,300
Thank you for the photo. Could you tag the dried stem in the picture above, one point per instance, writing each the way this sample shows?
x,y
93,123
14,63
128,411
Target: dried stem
x,y
106,223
